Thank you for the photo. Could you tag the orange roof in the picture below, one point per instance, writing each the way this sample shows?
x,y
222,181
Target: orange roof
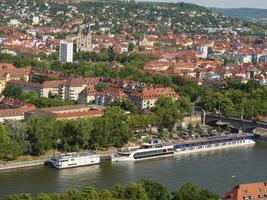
x,y
114,91
248,191
17,111
153,92
53,83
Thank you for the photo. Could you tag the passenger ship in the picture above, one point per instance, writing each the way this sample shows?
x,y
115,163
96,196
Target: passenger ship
x,y
146,151
68,160
213,143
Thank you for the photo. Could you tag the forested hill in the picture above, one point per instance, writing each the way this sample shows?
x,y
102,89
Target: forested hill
x,y
244,13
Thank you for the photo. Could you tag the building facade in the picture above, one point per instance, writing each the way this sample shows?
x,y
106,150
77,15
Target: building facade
x,y
66,51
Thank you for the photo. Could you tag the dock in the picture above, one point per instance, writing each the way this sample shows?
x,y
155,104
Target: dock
x,y
104,155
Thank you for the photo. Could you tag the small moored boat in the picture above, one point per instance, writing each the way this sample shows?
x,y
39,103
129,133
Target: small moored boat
x,y
68,160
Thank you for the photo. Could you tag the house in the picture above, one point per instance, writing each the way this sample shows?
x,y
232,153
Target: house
x,y
255,191
146,97
110,94
149,41
51,88
87,95
26,86
72,88
10,72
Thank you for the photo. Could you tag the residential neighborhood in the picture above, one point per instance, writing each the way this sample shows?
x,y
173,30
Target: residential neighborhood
x,y
154,97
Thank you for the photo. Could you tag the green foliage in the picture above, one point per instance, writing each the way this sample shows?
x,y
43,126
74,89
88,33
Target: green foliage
x,y
100,87
18,132
154,190
130,46
250,97
33,98
42,134
110,130
168,112
190,191
13,92
143,190
9,150
125,105
134,192
40,78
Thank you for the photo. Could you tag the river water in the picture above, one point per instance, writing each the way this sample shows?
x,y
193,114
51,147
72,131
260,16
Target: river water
x,y
217,171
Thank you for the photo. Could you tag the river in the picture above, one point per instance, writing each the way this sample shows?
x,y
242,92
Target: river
x,y
217,171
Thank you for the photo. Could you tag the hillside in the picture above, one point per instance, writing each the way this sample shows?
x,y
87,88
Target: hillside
x,y
117,16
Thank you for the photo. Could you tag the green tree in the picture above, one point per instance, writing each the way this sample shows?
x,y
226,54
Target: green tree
x,y
105,195
100,87
43,134
187,192
18,132
73,194
13,92
154,190
134,192
130,46
168,112
90,193
9,150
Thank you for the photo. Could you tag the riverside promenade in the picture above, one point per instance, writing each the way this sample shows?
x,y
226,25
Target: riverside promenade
x,y
104,155
21,164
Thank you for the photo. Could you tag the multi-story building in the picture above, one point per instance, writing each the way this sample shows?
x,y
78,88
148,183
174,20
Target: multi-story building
x,y
51,88
66,51
72,88
87,95
146,97
110,94
10,72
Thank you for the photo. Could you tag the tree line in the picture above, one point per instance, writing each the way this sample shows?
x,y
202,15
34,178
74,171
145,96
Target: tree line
x,y
37,135
247,99
142,190
33,98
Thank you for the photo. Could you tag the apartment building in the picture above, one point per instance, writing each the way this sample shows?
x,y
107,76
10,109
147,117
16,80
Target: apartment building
x,y
110,94
66,51
146,97
10,72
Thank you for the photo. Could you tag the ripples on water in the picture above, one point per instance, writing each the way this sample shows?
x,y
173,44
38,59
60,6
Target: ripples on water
x,y
215,170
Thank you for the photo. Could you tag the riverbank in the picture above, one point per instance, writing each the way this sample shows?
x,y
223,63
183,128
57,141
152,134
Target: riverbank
x,y
239,165
29,161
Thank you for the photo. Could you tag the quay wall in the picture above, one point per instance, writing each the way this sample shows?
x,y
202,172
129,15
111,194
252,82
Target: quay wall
x,y
32,163
21,164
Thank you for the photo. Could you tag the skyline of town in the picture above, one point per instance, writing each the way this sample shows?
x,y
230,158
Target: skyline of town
x,y
104,84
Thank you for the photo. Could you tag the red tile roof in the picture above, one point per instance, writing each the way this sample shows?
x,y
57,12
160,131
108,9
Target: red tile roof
x,y
153,92
256,191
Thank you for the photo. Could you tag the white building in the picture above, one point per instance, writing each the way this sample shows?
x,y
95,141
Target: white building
x,y
66,51
35,20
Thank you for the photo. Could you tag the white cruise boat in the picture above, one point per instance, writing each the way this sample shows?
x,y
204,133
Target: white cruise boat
x,y
214,143
68,160
146,151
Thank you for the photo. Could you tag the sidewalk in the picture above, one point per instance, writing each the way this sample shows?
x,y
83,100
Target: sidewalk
x,y
21,164
37,162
